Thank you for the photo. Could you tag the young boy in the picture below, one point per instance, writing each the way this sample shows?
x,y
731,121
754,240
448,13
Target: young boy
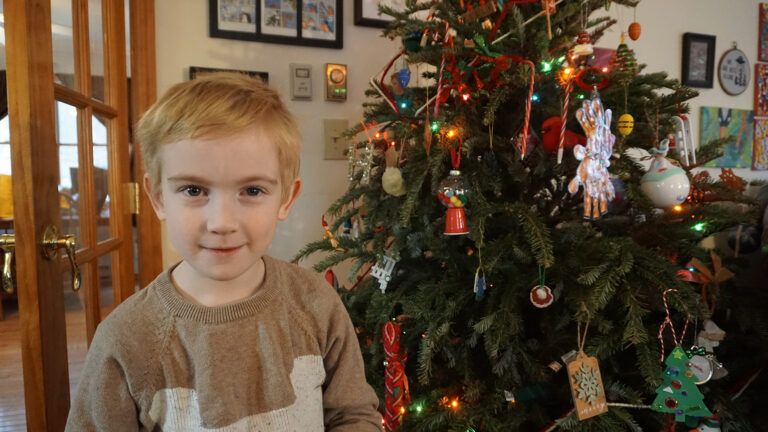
x,y
228,339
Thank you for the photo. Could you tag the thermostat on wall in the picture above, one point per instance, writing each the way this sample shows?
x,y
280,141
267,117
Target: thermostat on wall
x,y
301,81
335,82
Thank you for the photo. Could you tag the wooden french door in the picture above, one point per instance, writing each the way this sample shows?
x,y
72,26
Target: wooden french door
x,y
94,204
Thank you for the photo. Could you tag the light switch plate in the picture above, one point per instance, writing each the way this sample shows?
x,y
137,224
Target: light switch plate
x,y
301,81
335,145
335,82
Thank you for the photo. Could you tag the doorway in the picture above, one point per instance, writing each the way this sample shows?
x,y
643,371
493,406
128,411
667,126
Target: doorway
x,y
67,203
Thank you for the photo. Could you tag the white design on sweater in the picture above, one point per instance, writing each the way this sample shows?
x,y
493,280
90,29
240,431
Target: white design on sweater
x,y
177,409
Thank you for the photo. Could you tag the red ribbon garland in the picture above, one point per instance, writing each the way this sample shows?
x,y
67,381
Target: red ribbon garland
x,y
395,381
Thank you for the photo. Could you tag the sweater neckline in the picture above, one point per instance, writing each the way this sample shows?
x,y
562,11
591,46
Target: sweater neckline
x,y
183,308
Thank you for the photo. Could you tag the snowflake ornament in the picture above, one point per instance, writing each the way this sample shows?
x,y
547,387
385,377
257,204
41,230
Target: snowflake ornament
x,y
586,381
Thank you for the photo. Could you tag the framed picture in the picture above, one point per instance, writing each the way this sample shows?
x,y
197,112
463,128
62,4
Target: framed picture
x,y
760,148
718,122
367,12
734,71
762,31
761,89
698,60
195,71
277,21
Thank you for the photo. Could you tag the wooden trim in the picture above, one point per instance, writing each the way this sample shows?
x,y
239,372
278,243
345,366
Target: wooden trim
x,y
87,189
74,98
116,95
102,248
36,204
143,95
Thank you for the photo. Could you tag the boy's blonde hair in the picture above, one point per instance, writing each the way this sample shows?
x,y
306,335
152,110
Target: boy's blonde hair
x,y
219,104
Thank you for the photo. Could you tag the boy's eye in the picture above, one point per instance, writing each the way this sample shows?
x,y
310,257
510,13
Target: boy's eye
x,y
253,191
192,190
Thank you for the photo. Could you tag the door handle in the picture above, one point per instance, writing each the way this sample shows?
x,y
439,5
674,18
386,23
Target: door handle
x,y
8,245
52,241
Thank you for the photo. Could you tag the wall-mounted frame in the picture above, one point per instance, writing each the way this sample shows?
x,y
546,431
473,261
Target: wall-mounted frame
x,y
698,60
367,12
277,21
734,71
762,33
195,71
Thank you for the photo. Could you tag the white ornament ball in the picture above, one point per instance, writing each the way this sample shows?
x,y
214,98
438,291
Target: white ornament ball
x,y
665,184
392,181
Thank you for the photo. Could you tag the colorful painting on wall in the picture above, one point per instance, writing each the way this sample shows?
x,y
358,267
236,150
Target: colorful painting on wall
x,y
719,123
760,148
761,90
762,43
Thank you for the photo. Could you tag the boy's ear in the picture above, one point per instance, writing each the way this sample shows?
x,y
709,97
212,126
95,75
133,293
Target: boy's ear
x,y
155,197
293,193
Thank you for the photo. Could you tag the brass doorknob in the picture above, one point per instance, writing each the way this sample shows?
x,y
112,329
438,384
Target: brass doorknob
x,y
52,241
8,245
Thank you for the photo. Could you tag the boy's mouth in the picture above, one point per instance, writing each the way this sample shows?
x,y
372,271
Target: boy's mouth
x,y
222,251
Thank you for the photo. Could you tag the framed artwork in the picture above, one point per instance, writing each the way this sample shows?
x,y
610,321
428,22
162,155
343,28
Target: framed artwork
x,y
761,90
762,30
698,60
367,12
277,21
716,123
760,147
195,71
733,72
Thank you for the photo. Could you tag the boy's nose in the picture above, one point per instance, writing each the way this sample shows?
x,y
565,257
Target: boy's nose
x,y
221,216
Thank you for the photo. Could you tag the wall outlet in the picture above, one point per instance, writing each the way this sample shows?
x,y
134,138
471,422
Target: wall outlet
x,y
335,144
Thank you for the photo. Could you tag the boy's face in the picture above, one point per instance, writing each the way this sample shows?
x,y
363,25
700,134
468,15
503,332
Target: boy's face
x,y
221,199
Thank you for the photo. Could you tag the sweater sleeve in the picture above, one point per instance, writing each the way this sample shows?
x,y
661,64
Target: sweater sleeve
x,y
349,402
103,400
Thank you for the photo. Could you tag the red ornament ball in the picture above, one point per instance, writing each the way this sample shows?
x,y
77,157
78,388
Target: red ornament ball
x,y
676,385
670,403
634,31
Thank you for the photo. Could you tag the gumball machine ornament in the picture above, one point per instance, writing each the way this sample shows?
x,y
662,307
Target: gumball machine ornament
x,y
453,194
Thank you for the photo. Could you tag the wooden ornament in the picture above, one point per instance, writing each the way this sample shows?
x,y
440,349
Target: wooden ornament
x,y
586,387
634,31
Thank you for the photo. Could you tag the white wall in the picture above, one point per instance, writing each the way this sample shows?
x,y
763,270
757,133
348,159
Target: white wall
x,y
660,46
182,41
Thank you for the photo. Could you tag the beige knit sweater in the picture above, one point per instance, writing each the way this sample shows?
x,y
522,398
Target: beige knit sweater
x,y
286,359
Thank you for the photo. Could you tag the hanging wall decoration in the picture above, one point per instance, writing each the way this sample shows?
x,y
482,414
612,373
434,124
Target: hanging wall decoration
x,y
276,21
733,71
760,145
762,44
761,90
716,123
698,60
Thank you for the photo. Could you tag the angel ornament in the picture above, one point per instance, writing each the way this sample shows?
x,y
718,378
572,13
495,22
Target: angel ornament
x,y
592,173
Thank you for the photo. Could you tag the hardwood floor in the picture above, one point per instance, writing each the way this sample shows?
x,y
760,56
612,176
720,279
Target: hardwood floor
x,y
12,414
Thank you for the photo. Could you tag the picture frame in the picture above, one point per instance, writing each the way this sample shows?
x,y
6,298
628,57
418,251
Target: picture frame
x,y
195,71
277,21
761,90
698,60
367,12
734,71
762,30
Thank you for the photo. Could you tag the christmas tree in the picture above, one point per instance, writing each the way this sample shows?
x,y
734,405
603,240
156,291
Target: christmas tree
x,y
491,211
678,393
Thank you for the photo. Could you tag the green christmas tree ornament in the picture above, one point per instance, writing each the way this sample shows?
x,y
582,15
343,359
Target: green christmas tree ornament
x,y
678,393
